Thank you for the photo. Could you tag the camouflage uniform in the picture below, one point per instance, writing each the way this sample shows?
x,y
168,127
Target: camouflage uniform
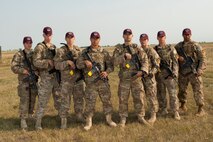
x,y
17,66
69,86
128,83
186,75
96,87
48,84
149,81
169,56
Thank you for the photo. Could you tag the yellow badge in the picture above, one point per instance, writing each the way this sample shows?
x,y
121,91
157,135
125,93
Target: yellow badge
x,y
71,72
89,73
127,66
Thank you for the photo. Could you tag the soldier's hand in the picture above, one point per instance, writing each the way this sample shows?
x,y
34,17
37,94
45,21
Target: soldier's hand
x,y
88,64
170,77
26,72
199,72
128,56
181,59
50,62
71,64
139,74
104,74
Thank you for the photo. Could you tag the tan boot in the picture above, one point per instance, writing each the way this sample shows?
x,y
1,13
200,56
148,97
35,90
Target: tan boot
x,y
152,119
183,108
23,124
109,121
63,123
143,121
123,122
200,112
88,123
38,124
176,115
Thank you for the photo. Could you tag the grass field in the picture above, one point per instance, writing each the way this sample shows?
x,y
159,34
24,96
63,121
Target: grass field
x,y
188,129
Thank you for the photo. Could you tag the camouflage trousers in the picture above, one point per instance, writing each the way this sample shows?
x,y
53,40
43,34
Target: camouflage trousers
x,y
197,86
68,89
46,87
171,86
78,97
151,92
24,106
92,90
137,91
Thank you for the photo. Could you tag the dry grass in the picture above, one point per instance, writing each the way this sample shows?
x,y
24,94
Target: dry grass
x,y
190,128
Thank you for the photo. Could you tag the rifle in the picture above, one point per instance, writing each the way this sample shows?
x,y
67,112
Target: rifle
x,y
69,55
188,61
32,79
52,52
166,66
96,68
135,60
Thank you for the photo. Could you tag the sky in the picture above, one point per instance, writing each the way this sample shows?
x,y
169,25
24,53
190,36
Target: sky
x,y
21,18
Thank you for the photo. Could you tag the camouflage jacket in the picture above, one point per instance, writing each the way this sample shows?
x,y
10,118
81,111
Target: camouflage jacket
x,y
193,50
127,67
168,56
41,56
100,56
154,60
18,64
60,60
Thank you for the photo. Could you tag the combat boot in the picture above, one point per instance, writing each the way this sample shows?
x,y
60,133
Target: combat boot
x,y
88,123
183,108
38,124
109,121
63,123
176,115
143,121
152,119
201,111
123,122
23,124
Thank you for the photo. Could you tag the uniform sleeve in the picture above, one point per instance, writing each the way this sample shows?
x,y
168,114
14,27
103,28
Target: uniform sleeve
x,y
80,61
118,57
16,64
155,61
109,63
143,60
201,57
59,62
38,60
174,57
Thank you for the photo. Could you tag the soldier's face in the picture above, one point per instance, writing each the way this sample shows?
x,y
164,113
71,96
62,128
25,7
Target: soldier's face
x,y
187,37
162,40
47,38
27,45
144,42
95,41
127,37
70,41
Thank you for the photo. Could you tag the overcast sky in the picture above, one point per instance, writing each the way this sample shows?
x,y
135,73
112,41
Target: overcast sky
x,y
21,18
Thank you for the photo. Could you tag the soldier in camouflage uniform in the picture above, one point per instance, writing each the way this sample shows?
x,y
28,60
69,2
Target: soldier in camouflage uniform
x,y
166,78
49,84
26,91
96,64
192,64
130,76
149,81
71,80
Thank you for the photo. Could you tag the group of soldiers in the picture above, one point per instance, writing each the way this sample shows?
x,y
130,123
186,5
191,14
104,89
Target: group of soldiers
x,y
144,71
